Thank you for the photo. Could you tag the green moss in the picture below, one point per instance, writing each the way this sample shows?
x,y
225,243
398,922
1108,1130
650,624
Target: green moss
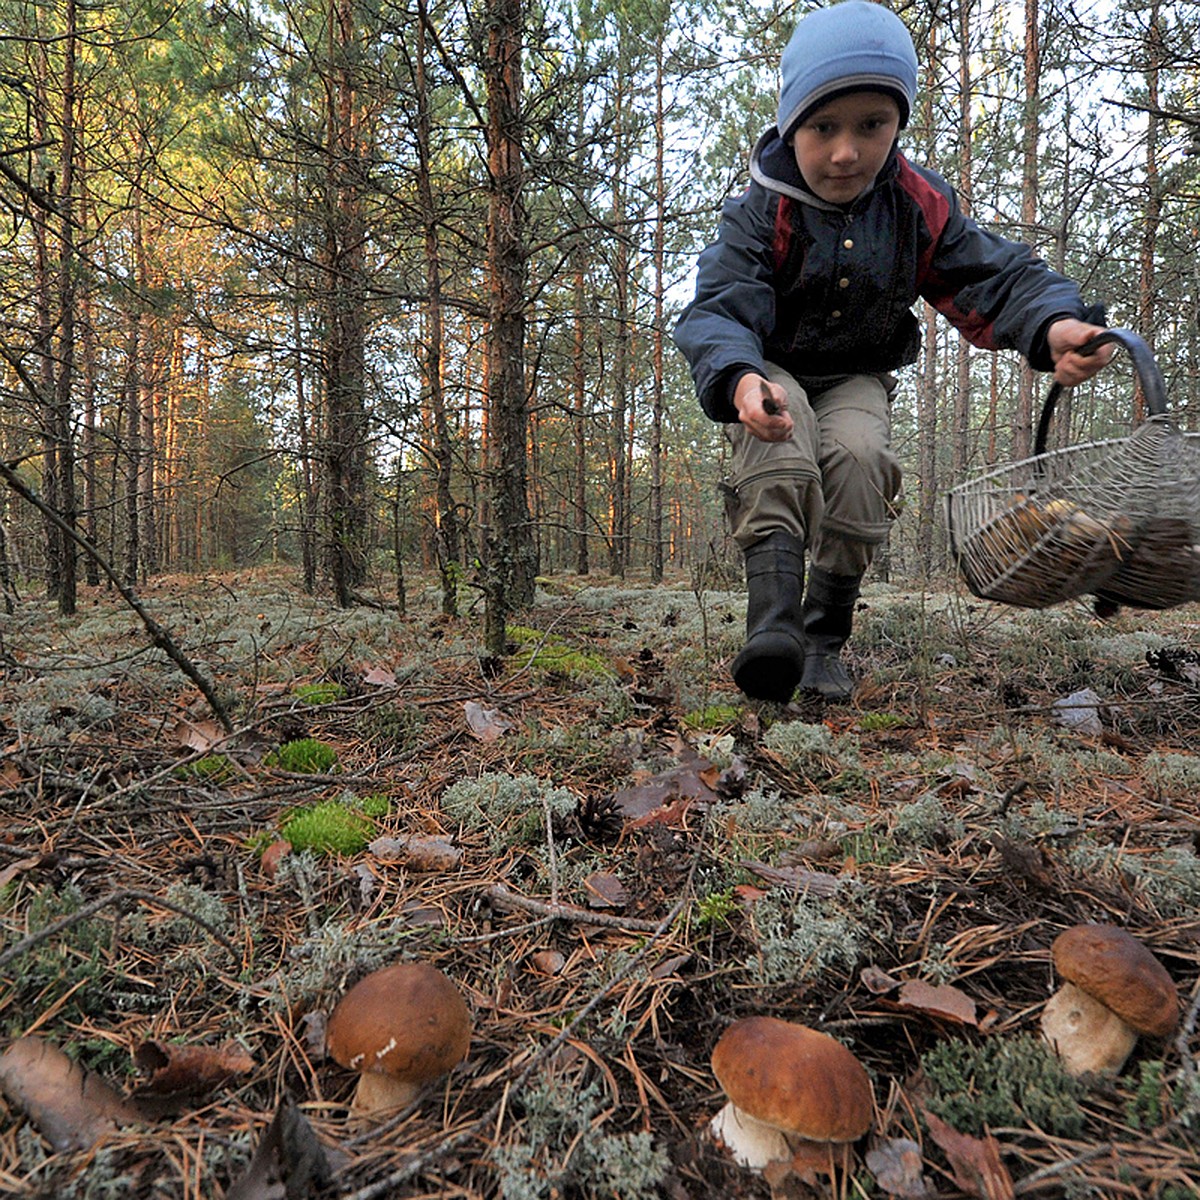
x,y
305,756
1002,1081
212,768
546,654
328,828
319,693
376,805
714,716
877,722
715,909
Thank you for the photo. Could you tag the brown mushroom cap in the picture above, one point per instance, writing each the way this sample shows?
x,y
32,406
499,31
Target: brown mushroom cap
x,y
1115,968
407,1021
794,1078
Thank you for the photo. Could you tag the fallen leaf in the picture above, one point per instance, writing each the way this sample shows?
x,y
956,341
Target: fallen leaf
x,y
878,982
686,782
418,851
26,864
548,962
273,855
975,1162
814,883
71,1107
896,1165
943,1001
198,735
487,724
288,1161
670,966
605,891
178,1073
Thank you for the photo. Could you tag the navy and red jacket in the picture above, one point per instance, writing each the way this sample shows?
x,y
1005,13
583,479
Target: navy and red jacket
x,y
822,289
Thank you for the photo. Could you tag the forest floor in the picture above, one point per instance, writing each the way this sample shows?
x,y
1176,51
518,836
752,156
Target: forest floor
x,y
613,858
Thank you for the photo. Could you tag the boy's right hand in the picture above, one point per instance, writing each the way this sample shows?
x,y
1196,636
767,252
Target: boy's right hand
x,y
762,408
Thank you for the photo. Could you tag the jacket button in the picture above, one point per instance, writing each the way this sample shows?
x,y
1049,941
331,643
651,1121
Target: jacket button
x,y
843,283
849,243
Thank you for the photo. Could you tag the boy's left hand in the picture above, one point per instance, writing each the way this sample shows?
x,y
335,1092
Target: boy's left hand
x,y
1064,337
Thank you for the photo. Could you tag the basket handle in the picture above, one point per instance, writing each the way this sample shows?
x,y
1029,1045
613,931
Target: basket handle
x,y
1143,361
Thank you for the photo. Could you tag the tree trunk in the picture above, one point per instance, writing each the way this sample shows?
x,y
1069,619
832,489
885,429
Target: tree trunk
x,y
1023,425
344,437
445,514
656,411
1152,211
511,559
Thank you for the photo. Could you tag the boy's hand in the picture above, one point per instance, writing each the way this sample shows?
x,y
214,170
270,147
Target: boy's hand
x,y
762,408
1063,337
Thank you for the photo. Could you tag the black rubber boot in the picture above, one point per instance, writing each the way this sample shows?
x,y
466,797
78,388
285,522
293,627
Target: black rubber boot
x,y
828,614
770,663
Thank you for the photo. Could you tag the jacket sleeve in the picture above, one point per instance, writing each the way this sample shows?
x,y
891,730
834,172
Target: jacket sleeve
x,y
995,291
722,331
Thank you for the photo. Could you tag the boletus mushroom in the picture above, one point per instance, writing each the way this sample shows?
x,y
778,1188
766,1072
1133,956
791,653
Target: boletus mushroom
x,y
1114,989
400,1027
787,1086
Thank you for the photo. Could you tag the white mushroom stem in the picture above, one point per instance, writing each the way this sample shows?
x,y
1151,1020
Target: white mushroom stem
x,y
1088,1037
378,1091
752,1143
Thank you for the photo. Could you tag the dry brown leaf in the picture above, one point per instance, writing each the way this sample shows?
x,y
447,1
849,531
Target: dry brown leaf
x,y
975,1162
418,851
178,1073
487,724
877,981
19,868
948,1003
547,962
273,855
198,735
677,789
796,878
896,1164
605,891
289,1161
72,1108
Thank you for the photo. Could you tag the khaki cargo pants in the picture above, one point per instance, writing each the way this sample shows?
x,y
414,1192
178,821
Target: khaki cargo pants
x,y
834,483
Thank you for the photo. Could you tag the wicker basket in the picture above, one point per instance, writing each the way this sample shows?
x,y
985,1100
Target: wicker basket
x,y
1118,518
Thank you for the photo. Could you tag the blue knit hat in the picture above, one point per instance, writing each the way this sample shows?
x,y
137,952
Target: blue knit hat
x,y
852,46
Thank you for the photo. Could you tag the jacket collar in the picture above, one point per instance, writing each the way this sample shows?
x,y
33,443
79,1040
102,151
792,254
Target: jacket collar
x,y
773,166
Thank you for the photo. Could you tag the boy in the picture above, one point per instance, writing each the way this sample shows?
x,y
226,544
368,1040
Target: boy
x,y
802,310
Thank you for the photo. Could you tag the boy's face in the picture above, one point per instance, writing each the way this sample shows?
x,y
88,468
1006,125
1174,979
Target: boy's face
x,y
842,145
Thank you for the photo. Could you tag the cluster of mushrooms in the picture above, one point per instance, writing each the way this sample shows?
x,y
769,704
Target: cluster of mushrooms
x,y
796,1094
793,1093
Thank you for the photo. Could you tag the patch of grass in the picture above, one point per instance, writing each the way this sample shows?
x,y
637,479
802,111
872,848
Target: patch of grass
x,y
1003,1081
328,828
305,756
